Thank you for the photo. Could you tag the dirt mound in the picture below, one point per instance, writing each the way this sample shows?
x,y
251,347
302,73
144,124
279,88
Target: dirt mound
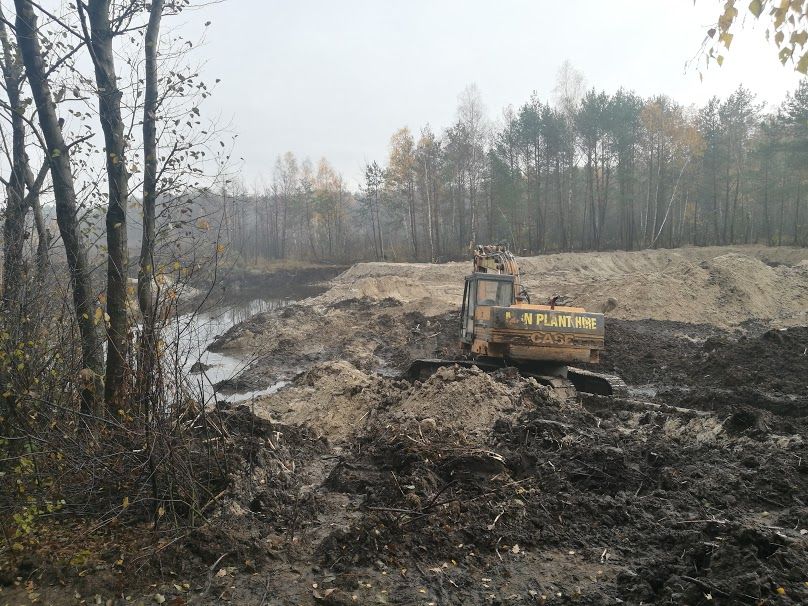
x,y
338,401
654,352
373,335
332,399
774,361
707,368
724,286
432,288
466,399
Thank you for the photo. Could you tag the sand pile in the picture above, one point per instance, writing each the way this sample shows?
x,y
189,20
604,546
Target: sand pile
x,y
337,401
333,399
724,286
429,288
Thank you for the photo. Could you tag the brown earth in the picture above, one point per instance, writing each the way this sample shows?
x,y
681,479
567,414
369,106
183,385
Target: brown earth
x,y
353,486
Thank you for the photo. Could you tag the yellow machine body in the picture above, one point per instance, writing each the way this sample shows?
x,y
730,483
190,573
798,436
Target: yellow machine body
x,y
497,322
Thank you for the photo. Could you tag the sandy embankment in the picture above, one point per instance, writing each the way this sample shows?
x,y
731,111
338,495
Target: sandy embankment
x,y
723,286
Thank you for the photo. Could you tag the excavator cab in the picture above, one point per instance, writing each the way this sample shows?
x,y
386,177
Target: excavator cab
x,y
484,290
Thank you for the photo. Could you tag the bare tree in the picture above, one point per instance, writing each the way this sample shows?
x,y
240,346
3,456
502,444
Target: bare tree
x,y
569,88
99,40
471,115
21,178
146,274
64,193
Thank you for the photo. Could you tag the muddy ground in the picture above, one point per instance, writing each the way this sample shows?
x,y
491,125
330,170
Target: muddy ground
x,y
470,488
358,487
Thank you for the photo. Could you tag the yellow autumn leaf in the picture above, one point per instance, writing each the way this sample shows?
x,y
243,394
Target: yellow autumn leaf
x,y
125,502
802,65
799,38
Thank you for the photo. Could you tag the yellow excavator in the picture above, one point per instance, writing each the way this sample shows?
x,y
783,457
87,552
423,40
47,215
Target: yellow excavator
x,y
501,327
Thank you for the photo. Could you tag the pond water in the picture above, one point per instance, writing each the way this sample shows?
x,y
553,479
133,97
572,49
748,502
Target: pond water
x,y
193,333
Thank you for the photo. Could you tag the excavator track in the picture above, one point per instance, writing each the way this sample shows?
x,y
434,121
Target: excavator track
x,y
599,384
566,388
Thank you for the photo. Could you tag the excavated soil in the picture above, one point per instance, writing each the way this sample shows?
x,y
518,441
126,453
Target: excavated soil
x,y
353,486
702,366
372,335
475,488
723,286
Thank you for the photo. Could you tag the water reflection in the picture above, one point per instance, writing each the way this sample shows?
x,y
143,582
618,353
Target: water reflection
x,y
193,333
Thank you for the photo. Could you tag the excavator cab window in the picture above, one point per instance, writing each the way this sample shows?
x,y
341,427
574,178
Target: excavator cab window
x,y
484,291
494,292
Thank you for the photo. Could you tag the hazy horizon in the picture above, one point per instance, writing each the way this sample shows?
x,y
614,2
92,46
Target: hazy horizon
x,y
335,80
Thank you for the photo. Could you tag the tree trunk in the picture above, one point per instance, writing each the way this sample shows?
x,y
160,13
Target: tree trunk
x,y
146,294
429,215
43,237
767,223
109,111
413,215
65,197
16,208
797,204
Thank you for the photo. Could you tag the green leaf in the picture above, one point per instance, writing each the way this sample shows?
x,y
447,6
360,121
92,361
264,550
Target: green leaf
x,y
720,60
756,7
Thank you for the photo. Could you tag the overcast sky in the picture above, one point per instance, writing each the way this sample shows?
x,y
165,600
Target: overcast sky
x,y
337,78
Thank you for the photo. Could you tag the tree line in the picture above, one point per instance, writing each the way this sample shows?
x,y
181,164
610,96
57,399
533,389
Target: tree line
x,y
586,170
